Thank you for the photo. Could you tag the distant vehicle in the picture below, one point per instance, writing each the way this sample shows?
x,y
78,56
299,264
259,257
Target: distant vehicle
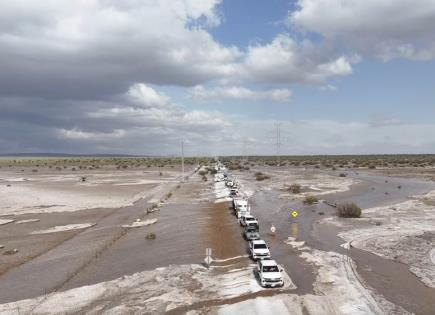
x,y
229,183
219,177
251,233
233,192
258,250
269,273
240,206
248,220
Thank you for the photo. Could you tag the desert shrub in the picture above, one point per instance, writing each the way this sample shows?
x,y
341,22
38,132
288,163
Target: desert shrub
x,y
348,210
309,200
261,176
342,175
295,188
202,173
204,178
150,236
372,167
34,171
213,171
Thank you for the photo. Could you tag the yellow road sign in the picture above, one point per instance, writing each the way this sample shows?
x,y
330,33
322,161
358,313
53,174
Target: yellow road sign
x,y
295,214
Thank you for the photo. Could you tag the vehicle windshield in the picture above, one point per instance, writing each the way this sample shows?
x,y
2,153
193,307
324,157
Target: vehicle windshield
x,y
260,246
249,219
251,230
270,269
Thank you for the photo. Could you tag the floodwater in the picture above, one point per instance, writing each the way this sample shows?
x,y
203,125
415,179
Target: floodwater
x,y
391,279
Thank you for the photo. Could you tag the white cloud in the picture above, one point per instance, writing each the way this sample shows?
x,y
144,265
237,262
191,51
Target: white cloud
x,y
386,29
77,134
79,49
144,95
239,93
328,87
285,60
335,137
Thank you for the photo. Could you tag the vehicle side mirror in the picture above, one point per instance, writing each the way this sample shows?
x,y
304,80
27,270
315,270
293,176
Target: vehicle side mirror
x,y
281,270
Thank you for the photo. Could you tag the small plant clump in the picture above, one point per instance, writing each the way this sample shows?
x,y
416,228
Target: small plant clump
x,y
295,188
309,200
151,236
260,176
348,210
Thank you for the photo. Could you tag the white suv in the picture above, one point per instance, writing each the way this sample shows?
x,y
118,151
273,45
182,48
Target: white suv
x,y
248,219
269,273
258,249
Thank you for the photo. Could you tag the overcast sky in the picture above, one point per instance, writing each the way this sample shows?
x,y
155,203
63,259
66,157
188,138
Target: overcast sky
x,y
138,76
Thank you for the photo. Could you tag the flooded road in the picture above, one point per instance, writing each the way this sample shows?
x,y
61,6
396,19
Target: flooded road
x,y
391,279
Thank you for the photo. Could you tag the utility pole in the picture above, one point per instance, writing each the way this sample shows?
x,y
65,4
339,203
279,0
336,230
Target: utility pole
x,y
182,159
278,142
244,149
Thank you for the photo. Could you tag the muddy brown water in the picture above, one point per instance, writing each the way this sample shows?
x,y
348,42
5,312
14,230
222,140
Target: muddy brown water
x,y
186,228
391,279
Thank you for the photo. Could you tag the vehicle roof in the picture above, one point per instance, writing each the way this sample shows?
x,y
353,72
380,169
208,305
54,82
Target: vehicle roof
x,y
268,262
258,242
240,200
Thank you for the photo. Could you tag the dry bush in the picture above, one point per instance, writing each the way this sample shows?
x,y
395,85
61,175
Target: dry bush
x,y
309,200
348,210
260,176
295,188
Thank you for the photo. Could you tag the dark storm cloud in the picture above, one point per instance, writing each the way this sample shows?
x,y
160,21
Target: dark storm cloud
x,y
80,50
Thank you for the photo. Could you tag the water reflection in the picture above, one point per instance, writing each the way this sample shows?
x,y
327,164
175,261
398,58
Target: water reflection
x,y
294,229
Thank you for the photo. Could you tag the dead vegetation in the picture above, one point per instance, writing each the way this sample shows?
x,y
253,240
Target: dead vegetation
x,y
334,162
348,210
259,176
309,200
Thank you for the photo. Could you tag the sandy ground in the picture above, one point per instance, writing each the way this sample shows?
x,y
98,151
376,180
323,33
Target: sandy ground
x,y
311,182
404,232
158,291
48,191
99,260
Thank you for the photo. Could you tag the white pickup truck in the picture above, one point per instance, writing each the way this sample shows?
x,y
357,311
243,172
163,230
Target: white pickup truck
x,y
241,207
258,250
269,273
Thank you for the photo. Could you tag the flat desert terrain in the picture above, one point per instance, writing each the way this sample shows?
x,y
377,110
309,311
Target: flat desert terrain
x,y
117,240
